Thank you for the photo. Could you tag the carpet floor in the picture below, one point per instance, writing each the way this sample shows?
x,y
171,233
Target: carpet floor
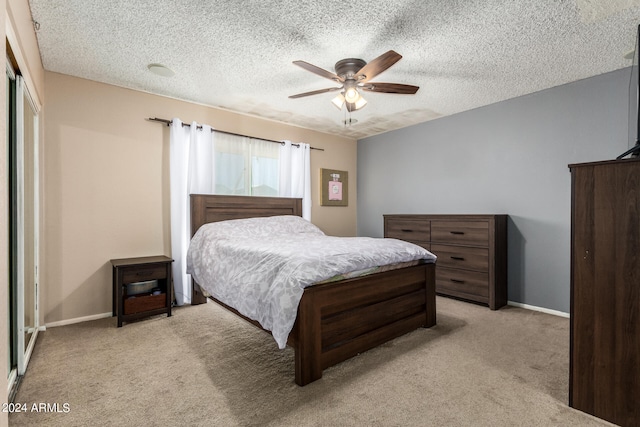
x,y
206,367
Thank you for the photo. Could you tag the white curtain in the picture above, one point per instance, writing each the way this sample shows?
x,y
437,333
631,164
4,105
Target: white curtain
x,y
295,174
191,162
192,171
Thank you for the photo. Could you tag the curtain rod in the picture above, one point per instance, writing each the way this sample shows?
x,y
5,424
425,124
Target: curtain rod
x,y
168,123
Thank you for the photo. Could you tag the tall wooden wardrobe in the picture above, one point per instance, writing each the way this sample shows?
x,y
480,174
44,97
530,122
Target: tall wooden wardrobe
x,y
604,377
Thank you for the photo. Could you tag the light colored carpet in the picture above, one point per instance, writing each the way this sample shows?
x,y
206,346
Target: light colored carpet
x,y
204,366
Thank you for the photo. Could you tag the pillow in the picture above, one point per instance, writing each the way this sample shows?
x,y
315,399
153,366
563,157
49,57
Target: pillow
x,y
260,227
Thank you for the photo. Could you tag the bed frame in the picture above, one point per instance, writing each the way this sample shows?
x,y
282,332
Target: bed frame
x,y
338,320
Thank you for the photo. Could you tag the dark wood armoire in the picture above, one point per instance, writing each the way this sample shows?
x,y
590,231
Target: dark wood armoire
x,y
604,378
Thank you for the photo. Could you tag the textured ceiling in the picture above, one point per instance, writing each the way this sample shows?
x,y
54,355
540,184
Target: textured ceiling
x,y
238,54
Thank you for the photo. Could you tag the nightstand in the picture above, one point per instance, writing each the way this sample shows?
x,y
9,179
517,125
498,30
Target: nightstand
x,y
141,287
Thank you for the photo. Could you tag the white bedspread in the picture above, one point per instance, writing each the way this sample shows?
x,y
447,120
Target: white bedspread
x,y
260,266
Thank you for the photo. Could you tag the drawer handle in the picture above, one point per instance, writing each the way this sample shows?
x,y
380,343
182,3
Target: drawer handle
x,y
457,258
406,230
457,232
457,281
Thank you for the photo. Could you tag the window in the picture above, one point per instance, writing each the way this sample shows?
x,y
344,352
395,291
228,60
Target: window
x,y
246,166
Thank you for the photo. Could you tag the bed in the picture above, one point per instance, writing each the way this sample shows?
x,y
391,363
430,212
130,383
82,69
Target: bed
x,y
335,320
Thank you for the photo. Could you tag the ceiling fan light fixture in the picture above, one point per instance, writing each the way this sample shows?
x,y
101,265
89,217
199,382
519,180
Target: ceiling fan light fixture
x,y
338,101
354,106
351,95
361,102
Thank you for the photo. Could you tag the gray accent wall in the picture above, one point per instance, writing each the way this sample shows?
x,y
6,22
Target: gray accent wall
x,y
507,158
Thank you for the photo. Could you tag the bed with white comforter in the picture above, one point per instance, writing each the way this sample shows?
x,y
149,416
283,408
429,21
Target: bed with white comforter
x,y
260,266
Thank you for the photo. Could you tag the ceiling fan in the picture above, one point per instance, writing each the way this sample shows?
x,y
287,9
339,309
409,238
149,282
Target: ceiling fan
x,y
356,74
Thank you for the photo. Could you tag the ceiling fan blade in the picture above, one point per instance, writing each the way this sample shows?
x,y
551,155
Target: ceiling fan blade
x,y
377,66
390,88
319,71
315,92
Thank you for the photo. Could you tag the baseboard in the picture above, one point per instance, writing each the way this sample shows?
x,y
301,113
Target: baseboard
x,y
78,320
540,309
105,315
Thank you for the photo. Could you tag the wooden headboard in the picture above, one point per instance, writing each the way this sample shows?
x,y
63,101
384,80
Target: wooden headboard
x,y
206,208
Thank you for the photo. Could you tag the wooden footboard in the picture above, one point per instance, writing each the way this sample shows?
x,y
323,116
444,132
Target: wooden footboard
x,y
336,321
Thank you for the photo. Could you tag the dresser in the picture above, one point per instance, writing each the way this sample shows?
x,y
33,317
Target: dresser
x,y
471,251
604,372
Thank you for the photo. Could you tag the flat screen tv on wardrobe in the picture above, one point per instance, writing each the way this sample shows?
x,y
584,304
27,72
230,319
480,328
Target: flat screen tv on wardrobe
x,y
634,102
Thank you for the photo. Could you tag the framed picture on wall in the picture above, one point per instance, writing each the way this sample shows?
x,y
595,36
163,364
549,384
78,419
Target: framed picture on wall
x,y
335,187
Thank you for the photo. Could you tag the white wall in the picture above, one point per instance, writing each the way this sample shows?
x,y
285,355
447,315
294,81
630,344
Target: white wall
x,y
510,157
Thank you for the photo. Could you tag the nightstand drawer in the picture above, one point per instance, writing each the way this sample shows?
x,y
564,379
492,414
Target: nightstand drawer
x,y
140,304
143,273
462,283
462,257
474,233
407,229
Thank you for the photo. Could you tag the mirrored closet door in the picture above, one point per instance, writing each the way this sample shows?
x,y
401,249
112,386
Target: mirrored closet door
x,y
22,137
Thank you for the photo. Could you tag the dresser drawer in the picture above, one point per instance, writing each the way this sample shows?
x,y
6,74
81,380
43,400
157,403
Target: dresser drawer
x,y
462,257
474,233
462,283
407,229
143,273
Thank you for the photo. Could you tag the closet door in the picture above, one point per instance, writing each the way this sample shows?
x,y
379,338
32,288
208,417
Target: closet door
x,y
27,242
12,347
22,134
